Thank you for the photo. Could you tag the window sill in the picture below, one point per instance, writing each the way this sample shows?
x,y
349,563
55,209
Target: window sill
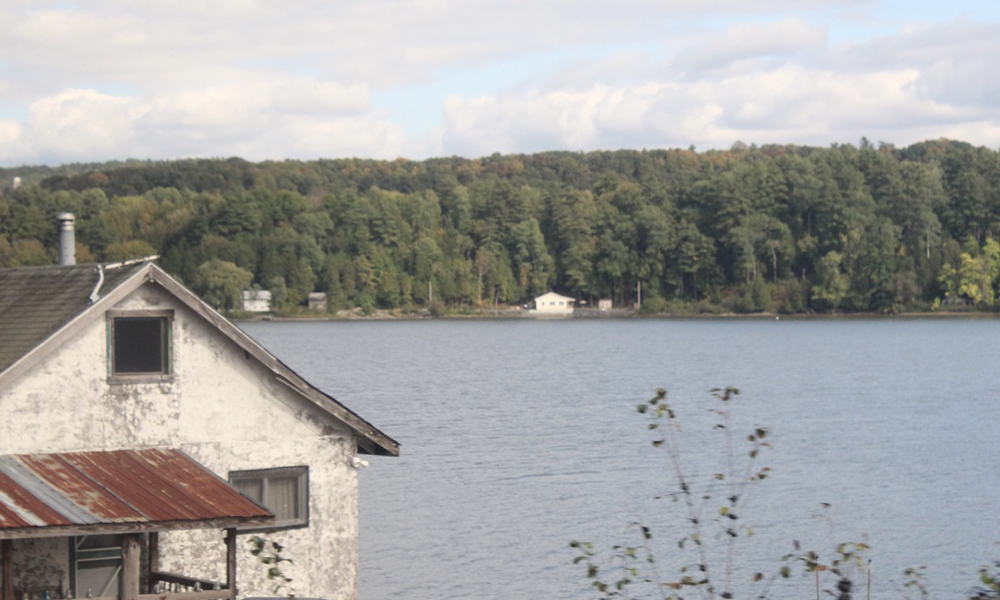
x,y
138,378
276,526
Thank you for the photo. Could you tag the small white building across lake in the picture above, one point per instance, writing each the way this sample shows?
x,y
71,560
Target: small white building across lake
x,y
256,301
553,304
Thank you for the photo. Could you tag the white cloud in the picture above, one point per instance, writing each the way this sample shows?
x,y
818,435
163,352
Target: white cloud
x,y
76,122
10,133
261,79
786,104
303,120
380,42
763,82
750,41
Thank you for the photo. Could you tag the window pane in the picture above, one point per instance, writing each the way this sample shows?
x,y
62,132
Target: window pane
x,y
98,578
283,497
93,542
282,490
98,561
251,488
139,345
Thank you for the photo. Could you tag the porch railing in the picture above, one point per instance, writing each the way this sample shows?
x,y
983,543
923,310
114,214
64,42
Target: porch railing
x,y
171,586
159,585
180,583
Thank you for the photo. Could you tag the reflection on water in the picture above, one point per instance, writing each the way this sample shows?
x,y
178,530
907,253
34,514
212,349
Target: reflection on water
x,y
519,436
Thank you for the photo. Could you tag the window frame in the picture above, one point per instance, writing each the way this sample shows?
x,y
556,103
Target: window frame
x,y
301,474
79,557
166,373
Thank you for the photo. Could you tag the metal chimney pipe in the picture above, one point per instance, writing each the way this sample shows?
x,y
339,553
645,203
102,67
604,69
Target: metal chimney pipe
x,y
67,239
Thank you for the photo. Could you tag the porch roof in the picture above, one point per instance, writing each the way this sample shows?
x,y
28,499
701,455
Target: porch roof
x,y
119,491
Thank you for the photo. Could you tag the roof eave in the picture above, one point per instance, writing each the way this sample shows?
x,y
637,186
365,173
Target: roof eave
x,y
370,439
132,527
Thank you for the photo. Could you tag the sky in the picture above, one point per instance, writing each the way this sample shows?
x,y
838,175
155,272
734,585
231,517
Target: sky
x,y
97,80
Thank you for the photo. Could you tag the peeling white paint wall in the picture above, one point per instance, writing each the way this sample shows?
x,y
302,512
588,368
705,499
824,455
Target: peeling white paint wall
x,y
41,565
221,407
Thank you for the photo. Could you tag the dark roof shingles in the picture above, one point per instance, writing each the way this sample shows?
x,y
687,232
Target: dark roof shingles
x,y
36,302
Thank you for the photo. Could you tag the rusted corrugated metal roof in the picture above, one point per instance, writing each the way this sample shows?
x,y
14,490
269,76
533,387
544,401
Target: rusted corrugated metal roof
x,y
90,489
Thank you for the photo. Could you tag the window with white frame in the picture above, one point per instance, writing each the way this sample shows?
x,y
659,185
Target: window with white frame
x,y
284,491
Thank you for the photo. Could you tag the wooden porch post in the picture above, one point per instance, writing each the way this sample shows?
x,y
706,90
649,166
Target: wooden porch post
x,y
154,560
7,560
231,562
130,567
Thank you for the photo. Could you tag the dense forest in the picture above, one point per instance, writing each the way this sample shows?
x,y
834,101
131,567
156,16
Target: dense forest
x,y
866,228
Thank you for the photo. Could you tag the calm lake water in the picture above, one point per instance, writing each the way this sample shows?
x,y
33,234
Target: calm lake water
x,y
519,436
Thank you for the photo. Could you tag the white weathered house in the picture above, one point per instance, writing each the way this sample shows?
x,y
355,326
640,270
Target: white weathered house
x,y
552,303
131,414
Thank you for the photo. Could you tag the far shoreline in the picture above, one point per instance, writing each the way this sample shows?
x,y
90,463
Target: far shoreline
x,y
522,315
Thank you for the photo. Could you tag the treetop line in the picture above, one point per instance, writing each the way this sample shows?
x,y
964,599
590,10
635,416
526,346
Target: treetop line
x,y
777,228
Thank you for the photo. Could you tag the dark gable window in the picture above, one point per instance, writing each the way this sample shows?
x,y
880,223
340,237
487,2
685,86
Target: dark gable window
x,y
140,344
284,491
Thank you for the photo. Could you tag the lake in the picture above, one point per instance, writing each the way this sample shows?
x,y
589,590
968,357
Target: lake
x,y
519,436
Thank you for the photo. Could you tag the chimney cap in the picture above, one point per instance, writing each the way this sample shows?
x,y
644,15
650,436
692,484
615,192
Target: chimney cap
x,y
67,239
